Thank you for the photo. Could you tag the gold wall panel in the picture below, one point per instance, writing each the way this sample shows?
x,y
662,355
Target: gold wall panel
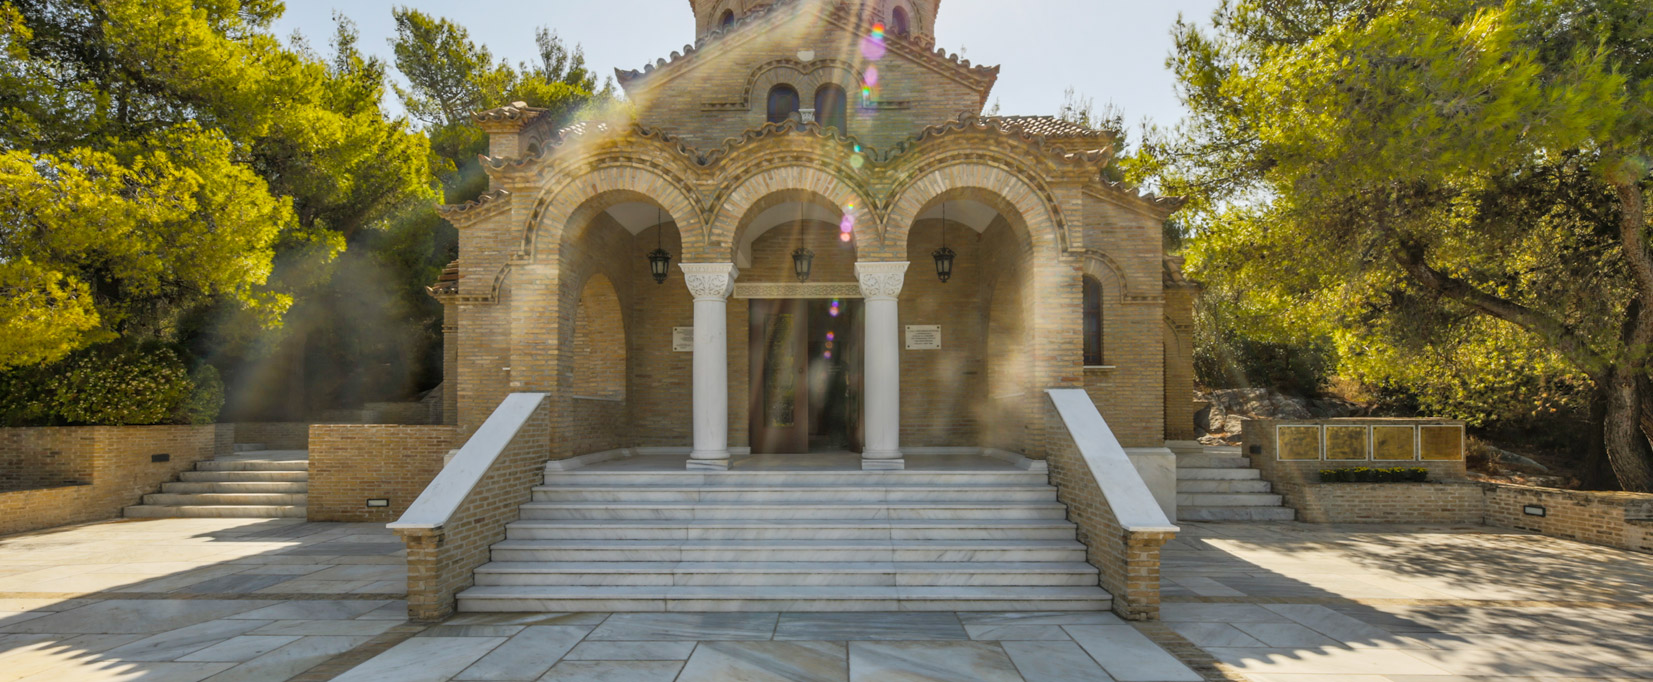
x,y
1298,442
1441,443
1393,443
1346,443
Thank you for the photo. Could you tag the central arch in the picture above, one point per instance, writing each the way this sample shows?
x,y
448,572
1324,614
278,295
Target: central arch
x,y
813,185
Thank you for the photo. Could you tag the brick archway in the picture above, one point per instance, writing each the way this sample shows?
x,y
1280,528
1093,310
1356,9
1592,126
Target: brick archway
x,y
569,207
1030,211
753,194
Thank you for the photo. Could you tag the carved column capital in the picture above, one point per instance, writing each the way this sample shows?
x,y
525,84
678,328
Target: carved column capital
x,y
881,280
709,281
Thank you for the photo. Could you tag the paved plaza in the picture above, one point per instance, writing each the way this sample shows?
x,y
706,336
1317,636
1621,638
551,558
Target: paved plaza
x,y
256,599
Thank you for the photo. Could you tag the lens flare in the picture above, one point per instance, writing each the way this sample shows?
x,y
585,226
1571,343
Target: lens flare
x,y
833,311
873,47
832,335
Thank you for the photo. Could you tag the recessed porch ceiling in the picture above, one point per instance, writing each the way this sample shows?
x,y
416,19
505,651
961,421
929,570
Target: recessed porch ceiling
x,y
637,216
967,212
777,215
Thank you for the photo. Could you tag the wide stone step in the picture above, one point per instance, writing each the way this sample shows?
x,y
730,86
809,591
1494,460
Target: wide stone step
x,y
250,447
1188,474
196,487
772,478
822,493
234,464
741,529
239,511
792,550
502,598
1227,500
210,499
663,573
1208,486
245,476
1212,462
1236,513
854,511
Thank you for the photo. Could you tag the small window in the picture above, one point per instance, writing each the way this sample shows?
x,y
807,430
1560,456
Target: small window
x,y
727,20
1093,322
783,103
830,107
899,24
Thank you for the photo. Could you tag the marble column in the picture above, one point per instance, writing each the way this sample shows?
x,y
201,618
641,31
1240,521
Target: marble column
x,y
711,284
881,375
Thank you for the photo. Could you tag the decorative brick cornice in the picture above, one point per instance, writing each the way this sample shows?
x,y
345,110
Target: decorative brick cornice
x,y
471,212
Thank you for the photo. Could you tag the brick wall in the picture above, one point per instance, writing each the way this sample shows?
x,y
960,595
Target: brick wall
x,y
111,465
1129,562
351,463
1291,477
441,562
1622,520
274,435
599,345
1429,503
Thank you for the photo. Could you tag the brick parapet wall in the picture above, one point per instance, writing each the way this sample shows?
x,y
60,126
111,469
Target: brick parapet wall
x,y
442,561
1430,503
352,463
112,466
1613,519
274,435
1128,562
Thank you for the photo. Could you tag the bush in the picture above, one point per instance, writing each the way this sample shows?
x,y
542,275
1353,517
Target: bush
x,y
112,385
1369,475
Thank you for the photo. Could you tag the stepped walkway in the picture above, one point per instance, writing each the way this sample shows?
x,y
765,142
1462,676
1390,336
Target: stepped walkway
x,y
791,533
1219,484
252,483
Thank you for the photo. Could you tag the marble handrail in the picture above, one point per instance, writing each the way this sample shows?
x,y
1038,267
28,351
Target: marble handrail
x,y
442,498
1124,490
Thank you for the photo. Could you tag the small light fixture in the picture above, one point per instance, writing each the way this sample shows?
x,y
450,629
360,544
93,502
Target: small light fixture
x,y
944,256
802,260
378,502
660,261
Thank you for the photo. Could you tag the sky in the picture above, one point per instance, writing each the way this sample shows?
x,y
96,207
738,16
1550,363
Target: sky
x,y
1109,50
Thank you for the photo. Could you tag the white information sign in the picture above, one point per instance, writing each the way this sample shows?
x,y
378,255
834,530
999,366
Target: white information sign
x,y
683,339
923,337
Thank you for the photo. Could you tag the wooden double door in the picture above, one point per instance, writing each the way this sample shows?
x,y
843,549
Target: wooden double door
x,y
805,375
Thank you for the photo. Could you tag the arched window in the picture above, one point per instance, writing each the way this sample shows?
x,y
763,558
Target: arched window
x,y
783,103
1093,321
831,103
899,23
727,20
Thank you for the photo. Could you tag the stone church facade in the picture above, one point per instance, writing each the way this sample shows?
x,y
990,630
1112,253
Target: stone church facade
x,y
805,166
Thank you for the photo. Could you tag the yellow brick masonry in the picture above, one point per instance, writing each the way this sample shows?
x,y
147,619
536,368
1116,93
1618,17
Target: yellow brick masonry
x,y
106,467
351,463
1128,561
442,562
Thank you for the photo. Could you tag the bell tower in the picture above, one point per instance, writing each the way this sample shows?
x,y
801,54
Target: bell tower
x,y
914,19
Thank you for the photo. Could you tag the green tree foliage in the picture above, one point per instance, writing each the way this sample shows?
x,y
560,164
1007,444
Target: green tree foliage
x,y
112,384
165,156
1453,192
450,77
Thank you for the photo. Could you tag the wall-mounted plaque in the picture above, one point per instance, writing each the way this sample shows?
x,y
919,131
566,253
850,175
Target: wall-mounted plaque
x,y
923,337
683,339
1394,443
1298,442
1346,443
1437,443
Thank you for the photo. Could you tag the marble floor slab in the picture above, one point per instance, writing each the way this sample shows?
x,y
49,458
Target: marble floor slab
x,y
613,671
1053,661
792,661
930,661
526,655
423,659
687,626
873,625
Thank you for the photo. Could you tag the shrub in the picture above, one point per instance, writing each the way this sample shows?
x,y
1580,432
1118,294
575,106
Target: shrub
x,y
111,385
1369,475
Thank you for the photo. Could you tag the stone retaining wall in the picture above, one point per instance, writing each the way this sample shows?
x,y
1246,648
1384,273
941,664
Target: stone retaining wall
x,y
1622,520
54,476
352,463
1455,502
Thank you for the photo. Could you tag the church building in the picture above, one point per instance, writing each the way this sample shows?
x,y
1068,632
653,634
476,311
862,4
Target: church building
x,y
806,244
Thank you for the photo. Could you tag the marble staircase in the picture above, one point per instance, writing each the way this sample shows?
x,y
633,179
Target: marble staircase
x,y
252,483
984,537
1219,484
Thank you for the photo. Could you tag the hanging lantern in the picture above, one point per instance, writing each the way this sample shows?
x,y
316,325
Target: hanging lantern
x,y
802,260
660,261
944,256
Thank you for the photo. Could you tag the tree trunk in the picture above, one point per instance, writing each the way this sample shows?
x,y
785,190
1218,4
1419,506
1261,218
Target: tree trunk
x,y
1622,433
1627,446
1596,473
